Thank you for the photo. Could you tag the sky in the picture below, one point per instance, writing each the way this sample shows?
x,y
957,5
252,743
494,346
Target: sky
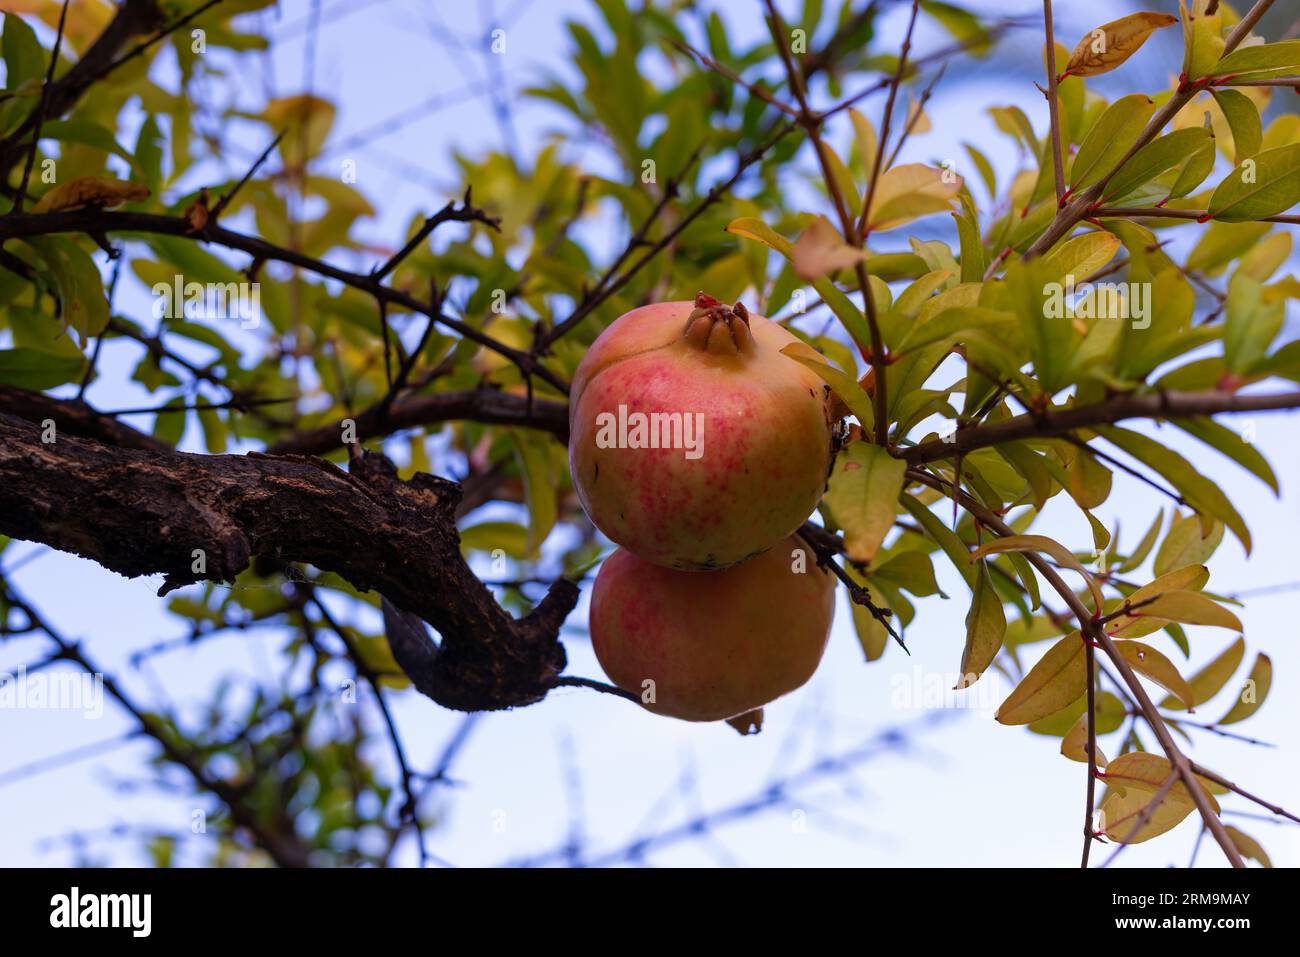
x,y
941,786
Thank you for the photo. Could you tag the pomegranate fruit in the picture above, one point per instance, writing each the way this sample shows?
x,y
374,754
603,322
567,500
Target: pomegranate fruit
x,y
693,441
713,645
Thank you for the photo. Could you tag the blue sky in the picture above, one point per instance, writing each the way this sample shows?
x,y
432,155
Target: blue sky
x,y
966,792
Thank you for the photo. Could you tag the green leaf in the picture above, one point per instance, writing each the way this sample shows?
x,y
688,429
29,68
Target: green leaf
x,y
87,133
25,58
912,570
1265,185
1253,324
533,455
943,536
510,538
1243,119
169,426
845,386
1252,693
1114,133
863,496
81,288
148,154
1155,158
985,169
37,370
1139,554
1263,57
214,430
972,249
1193,171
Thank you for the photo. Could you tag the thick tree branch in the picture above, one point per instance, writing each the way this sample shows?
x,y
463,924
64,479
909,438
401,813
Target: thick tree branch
x,y
197,517
73,417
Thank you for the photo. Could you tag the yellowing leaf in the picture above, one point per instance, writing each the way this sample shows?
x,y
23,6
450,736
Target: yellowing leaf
x,y
910,192
1058,679
1041,543
1145,660
986,626
863,496
1209,681
821,250
1252,693
1247,846
1144,771
1186,544
90,191
1110,44
867,143
306,121
1074,744
1188,578
1187,607
1083,255
840,304
1121,813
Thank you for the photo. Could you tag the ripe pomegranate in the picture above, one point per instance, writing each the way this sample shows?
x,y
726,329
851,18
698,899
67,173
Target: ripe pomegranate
x,y
694,442
714,644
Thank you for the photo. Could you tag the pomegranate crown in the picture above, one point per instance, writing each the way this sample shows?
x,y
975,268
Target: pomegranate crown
x,y
717,328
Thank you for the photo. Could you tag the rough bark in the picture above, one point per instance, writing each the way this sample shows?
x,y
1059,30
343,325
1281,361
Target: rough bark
x,y
141,512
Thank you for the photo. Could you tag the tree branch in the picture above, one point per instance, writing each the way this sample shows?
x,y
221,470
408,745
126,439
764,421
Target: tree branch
x,y
1156,405
1090,629
479,405
142,513
96,221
